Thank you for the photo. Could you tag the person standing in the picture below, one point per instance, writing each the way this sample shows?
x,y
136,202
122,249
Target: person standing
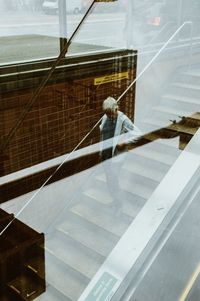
x,y
117,131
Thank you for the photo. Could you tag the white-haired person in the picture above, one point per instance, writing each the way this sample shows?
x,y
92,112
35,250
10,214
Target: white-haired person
x,y
117,131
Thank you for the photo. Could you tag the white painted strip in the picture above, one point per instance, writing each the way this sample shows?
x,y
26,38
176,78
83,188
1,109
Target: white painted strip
x,y
133,242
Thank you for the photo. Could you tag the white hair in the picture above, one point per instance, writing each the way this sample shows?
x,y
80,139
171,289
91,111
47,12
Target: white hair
x,y
110,104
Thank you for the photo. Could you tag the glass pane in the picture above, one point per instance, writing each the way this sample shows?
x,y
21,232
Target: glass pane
x,y
99,161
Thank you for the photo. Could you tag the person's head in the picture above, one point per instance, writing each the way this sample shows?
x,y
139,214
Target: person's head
x,y
110,107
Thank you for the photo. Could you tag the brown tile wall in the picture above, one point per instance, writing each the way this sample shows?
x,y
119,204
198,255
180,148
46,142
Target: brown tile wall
x,y
62,115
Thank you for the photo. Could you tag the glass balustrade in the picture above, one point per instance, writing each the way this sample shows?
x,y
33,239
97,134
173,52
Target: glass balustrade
x,y
100,154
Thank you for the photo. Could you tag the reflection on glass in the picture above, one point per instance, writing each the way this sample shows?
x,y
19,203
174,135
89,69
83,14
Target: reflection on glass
x,y
101,213
22,260
114,127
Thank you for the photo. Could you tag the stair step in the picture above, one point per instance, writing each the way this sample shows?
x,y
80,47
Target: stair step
x,y
144,170
163,148
187,89
131,204
80,259
182,99
174,112
190,76
134,169
186,86
152,165
185,103
102,217
157,152
58,276
137,187
193,72
89,235
154,123
138,171
52,294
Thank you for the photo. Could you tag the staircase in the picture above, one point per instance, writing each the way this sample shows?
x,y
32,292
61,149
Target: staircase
x,y
87,231
84,234
181,98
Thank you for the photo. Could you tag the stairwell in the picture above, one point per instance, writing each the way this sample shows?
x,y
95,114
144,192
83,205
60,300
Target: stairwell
x,y
180,98
87,232
84,234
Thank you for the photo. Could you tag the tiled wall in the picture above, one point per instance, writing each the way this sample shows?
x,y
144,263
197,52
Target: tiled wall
x,y
62,115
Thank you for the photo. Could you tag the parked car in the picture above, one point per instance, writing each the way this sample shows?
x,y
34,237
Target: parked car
x,y
72,6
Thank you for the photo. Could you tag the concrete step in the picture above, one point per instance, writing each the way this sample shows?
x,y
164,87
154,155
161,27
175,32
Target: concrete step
x,y
52,294
191,76
138,185
65,281
158,152
180,101
88,234
152,123
170,112
131,204
164,113
185,89
147,169
104,218
156,121
74,255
